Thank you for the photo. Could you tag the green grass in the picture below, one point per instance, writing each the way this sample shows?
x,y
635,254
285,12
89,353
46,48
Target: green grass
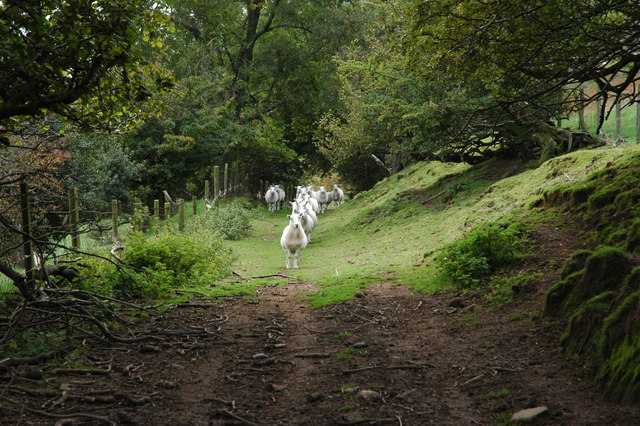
x,y
386,234
357,245
627,127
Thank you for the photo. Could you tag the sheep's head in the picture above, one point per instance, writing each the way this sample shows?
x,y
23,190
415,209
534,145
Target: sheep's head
x,y
294,220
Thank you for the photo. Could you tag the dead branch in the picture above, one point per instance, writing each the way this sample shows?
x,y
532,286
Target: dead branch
x,y
434,197
95,371
288,277
53,415
227,413
114,252
381,367
32,392
312,355
14,361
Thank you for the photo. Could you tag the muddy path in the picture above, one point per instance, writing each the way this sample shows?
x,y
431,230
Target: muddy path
x,y
389,356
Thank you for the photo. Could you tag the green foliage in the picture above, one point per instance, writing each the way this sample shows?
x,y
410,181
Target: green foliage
x,y
33,341
161,263
89,54
503,289
503,393
101,169
337,289
521,56
468,261
232,221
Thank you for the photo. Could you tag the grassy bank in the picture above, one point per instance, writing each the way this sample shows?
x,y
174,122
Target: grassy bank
x,y
392,231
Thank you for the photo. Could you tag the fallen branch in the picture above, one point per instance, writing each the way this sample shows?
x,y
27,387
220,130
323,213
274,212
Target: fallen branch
x,y
473,379
434,197
380,367
53,415
263,276
96,371
369,421
316,355
116,248
235,417
13,361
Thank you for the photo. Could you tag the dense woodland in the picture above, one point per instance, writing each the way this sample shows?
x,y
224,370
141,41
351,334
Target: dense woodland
x,y
125,99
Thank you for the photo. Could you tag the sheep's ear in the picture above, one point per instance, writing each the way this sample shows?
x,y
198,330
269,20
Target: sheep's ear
x,y
289,216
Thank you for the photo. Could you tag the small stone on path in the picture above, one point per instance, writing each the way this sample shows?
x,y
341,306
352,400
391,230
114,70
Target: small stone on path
x,y
368,395
528,415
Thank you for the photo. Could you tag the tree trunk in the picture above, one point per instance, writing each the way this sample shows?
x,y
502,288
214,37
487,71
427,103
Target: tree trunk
x,y
244,59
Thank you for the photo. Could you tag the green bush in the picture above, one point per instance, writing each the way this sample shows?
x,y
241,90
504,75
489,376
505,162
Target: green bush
x,y
160,263
233,221
468,261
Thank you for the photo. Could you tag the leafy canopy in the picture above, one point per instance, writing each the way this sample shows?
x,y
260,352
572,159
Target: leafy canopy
x,y
81,60
531,56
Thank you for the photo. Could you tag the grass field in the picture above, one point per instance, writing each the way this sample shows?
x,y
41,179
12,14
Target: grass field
x,y
387,234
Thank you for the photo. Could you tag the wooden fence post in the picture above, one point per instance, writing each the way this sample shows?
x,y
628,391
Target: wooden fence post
x,y
167,197
180,215
583,124
618,120
137,223
114,221
216,182
226,179
75,219
638,119
234,176
194,204
156,210
206,189
167,211
27,243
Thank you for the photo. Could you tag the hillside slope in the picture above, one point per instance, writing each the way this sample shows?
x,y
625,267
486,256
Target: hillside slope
x,y
395,229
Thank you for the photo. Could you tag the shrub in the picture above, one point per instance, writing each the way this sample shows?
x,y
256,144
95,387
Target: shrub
x,y
160,263
233,221
484,250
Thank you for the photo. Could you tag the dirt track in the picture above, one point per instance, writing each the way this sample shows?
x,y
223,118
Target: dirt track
x,y
420,360
389,356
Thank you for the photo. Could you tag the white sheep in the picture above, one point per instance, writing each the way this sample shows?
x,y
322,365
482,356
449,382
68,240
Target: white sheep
x,y
337,194
271,197
294,239
323,198
307,203
308,218
281,197
310,199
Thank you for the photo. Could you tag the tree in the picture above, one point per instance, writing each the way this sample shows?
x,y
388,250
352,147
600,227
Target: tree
x,y
527,58
81,60
271,64
78,60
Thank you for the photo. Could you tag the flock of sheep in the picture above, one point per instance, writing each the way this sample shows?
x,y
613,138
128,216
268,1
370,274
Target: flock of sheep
x,y
304,215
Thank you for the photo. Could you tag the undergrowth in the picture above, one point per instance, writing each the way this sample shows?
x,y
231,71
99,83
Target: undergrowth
x,y
469,261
